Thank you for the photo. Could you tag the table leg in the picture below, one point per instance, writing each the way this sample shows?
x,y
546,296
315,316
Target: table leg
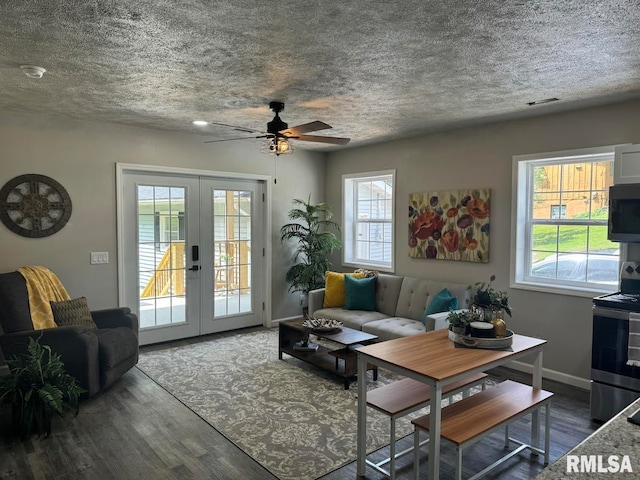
x,y
435,412
362,416
536,382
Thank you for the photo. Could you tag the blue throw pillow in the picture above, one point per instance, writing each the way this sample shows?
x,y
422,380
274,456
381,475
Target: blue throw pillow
x,y
360,293
442,302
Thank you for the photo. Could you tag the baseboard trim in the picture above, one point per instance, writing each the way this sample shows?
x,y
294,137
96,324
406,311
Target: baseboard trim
x,y
565,378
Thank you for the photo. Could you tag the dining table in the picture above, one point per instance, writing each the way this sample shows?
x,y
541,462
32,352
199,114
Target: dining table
x,y
433,358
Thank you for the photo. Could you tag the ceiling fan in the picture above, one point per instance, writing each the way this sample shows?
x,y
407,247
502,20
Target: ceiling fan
x,y
278,133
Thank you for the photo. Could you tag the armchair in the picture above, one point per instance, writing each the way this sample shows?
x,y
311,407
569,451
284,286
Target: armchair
x,y
95,357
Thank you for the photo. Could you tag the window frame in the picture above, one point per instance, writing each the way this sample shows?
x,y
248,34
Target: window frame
x,y
521,220
350,225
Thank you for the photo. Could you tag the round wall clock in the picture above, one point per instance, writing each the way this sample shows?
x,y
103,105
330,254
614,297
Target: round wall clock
x,y
34,205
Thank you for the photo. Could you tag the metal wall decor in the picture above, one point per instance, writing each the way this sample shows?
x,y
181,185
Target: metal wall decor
x,y
34,205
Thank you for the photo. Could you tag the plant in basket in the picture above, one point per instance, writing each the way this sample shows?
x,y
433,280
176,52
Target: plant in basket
x,y
459,321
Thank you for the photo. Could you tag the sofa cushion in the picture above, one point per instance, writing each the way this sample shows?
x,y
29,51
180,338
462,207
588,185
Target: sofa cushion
x,y
14,303
349,318
414,297
394,327
334,288
360,293
387,292
72,312
441,302
115,345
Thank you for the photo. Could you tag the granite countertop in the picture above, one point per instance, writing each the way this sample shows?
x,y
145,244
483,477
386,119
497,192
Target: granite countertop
x,y
616,437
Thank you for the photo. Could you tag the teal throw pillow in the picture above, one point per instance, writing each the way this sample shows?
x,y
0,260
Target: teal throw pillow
x,y
360,293
442,302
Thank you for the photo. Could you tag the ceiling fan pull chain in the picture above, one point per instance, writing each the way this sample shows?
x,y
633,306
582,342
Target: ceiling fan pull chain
x,y
275,170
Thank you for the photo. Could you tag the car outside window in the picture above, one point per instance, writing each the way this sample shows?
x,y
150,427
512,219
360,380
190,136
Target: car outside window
x,y
560,214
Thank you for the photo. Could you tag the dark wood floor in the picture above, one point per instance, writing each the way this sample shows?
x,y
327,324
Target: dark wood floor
x,y
138,430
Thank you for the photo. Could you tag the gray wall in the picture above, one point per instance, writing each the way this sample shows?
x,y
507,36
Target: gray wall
x,y
481,157
82,157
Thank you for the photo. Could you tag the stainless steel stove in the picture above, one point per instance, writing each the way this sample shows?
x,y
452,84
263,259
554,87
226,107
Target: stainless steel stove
x,y
614,384
628,298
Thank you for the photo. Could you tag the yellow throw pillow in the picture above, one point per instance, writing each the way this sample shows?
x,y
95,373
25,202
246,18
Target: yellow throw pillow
x,y
334,295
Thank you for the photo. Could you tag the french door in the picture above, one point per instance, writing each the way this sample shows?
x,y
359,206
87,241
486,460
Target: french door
x,y
192,254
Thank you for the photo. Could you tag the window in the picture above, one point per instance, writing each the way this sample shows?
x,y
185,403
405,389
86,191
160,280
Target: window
x,y
561,203
558,211
368,219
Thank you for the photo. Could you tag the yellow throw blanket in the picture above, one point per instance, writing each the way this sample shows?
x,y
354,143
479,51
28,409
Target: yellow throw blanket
x,y
43,286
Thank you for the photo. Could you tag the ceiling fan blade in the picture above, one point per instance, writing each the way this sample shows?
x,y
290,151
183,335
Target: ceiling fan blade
x,y
321,139
305,127
235,127
238,138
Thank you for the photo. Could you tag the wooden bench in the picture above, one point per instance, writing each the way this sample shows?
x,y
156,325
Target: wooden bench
x,y
469,420
405,396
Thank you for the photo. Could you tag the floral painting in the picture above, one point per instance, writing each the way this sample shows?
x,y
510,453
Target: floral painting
x,y
450,225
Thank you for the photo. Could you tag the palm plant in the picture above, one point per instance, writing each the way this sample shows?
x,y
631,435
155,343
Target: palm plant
x,y
315,243
37,387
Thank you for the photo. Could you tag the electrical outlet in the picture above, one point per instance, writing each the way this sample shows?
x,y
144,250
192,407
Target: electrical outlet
x,y
99,258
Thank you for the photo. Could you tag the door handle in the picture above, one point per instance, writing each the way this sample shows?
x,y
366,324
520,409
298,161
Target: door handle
x,y
195,268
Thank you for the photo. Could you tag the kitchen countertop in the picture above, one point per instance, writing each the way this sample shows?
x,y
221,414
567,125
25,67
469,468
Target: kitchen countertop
x,y
616,437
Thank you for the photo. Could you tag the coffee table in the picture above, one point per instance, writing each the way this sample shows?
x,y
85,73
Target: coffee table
x,y
341,361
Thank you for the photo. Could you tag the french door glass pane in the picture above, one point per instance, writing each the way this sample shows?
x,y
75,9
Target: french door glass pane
x,y
161,255
231,252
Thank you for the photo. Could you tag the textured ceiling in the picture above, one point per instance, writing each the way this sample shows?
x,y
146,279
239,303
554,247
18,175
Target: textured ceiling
x,y
374,70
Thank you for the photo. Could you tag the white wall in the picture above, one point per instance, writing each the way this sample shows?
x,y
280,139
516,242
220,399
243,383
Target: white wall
x,y
82,157
481,157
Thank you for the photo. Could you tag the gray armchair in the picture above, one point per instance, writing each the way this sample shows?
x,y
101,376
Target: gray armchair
x,y
95,357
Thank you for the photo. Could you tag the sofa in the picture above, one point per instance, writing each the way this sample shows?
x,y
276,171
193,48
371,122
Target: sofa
x,y
400,305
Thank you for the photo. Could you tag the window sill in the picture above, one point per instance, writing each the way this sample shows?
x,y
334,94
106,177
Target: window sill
x,y
380,268
564,290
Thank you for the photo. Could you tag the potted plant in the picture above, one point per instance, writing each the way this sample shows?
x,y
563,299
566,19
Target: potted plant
x,y
459,321
311,228
488,301
37,387
487,304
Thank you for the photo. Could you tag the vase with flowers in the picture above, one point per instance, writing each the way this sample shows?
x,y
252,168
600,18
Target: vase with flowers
x,y
489,305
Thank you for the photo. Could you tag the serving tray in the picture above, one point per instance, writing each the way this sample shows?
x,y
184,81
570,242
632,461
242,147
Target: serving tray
x,y
486,343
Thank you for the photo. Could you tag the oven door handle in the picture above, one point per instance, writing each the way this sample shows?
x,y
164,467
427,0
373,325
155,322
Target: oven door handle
x,y
610,313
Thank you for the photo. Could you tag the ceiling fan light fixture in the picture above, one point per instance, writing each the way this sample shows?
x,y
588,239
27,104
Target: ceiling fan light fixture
x,y
200,123
276,146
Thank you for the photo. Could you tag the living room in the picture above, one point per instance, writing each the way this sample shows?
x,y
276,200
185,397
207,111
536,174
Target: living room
x,y
82,154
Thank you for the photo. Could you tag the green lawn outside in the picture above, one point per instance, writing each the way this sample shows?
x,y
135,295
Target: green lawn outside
x,y
572,239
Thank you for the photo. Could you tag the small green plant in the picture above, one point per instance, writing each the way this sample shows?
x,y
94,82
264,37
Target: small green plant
x,y
37,387
460,318
487,297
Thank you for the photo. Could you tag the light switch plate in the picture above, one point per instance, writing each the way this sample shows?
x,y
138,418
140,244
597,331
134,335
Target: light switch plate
x,y
99,257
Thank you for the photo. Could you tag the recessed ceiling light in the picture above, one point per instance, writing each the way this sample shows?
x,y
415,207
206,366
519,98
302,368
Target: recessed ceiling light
x,y
540,102
200,123
32,71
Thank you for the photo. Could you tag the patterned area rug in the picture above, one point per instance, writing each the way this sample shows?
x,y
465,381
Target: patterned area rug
x,y
295,420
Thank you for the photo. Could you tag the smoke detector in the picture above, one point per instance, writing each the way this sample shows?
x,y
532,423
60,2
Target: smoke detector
x,y
32,71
